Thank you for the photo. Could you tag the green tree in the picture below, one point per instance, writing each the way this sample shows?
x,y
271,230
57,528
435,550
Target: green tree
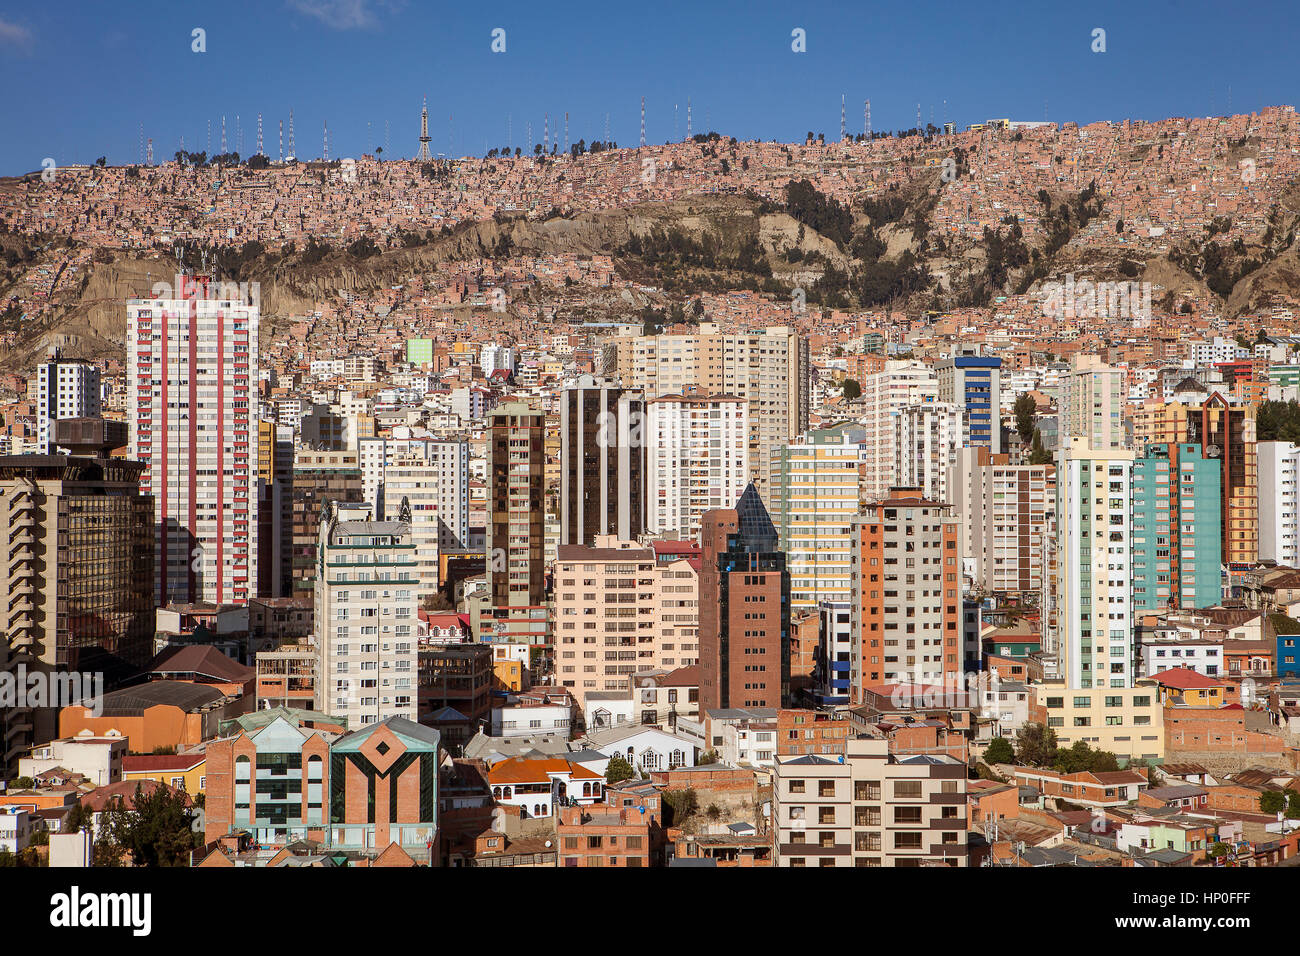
x,y
618,770
1272,801
1038,455
1036,745
1025,410
999,751
708,757
1293,806
158,831
852,390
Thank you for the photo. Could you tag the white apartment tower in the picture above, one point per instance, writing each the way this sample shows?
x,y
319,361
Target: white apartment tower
x,y
1092,403
884,396
927,439
1095,567
366,606
436,489
65,389
696,460
1279,502
193,378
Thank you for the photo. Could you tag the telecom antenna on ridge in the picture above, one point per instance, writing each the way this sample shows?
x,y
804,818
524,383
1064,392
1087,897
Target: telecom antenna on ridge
x,y
223,134
325,149
643,122
424,132
293,152
844,131
688,118
259,134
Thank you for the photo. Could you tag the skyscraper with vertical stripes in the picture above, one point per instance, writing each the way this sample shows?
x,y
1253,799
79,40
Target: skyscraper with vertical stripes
x,y
192,362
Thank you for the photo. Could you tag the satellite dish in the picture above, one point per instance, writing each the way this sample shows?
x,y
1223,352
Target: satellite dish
x,y
548,844
1213,451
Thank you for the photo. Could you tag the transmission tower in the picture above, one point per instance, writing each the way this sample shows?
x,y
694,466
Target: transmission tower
x,y
223,134
566,131
424,132
325,147
866,120
293,151
148,156
546,133
281,140
688,119
259,134
643,122
843,127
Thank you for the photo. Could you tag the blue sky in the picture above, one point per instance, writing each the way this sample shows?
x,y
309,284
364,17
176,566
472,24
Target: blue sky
x,y
80,76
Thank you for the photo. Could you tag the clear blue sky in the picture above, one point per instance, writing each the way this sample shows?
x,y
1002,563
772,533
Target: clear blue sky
x,y
80,77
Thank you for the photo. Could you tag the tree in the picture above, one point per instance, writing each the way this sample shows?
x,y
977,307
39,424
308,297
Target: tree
x,y
708,757
1272,801
157,831
999,751
1038,455
1293,806
1025,409
79,818
1036,745
852,390
618,770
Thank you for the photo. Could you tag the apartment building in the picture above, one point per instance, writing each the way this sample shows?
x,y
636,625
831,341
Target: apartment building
x,y
813,496
744,609
1177,529
365,615
697,459
619,612
274,509
435,488
1225,432
602,461
906,610
1005,513
1092,403
885,394
65,388
770,371
318,476
869,808
1095,566
1279,503
516,511
193,376
927,439
973,382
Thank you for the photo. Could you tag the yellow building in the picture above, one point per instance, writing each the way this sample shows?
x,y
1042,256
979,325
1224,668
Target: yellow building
x,y
1127,721
186,772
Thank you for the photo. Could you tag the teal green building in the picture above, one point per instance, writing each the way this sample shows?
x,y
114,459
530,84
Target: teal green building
x,y
1177,529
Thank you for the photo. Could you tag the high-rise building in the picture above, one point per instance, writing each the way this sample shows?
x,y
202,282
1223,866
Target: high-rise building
x,y
869,808
318,476
906,600
1225,432
274,509
813,495
1279,502
192,364
1177,555
1095,566
926,441
1004,511
615,602
972,381
769,370
65,388
696,459
365,615
744,608
77,536
602,462
884,395
436,487
1092,403
516,509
